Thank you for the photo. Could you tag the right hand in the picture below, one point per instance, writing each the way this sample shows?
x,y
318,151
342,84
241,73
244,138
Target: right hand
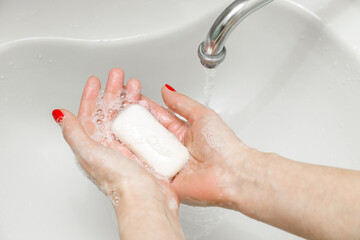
x,y
212,146
109,163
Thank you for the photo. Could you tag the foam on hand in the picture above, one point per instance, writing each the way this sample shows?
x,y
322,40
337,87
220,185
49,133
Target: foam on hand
x,y
138,129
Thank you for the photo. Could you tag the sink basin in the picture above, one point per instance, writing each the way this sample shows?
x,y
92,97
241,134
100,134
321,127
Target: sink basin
x,y
289,85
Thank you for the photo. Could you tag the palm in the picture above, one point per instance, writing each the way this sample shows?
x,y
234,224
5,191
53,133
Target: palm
x,y
198,180
96,117
93,119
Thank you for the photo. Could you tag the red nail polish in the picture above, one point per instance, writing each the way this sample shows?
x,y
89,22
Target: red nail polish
x,y
58,115
170,88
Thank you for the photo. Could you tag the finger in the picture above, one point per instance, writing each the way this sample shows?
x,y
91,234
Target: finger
x,y
163,115
133,90
183,105
114,85
89,97
90,154
75,135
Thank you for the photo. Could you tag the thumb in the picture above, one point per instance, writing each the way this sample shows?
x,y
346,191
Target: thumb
x,y
188,108
73,132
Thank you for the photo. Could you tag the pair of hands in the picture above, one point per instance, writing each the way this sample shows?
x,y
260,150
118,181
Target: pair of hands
x,y
210,141
311,201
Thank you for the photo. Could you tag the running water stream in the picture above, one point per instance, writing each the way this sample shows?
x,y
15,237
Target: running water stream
x,y
199,222
210,76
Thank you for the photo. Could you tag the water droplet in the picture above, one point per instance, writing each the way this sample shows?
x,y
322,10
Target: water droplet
x,y
40,56
335,63
2,77
11,63
51,61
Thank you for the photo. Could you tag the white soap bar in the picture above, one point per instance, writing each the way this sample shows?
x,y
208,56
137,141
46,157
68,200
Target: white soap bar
x,y
150,141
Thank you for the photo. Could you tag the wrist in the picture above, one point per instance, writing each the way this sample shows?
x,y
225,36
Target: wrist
x,y
156,196
244,167
156,215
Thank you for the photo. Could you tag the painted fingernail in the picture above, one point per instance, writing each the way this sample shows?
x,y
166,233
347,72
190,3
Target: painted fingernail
x,y
170,88
58,115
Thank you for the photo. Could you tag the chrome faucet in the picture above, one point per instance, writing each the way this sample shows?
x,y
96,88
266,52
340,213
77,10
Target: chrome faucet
x,y
212,51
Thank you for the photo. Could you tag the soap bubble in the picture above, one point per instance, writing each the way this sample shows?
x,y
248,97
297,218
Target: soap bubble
x,y
103,118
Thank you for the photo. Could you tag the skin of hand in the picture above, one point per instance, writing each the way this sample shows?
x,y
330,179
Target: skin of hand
x,y
210,143
315,202
146,206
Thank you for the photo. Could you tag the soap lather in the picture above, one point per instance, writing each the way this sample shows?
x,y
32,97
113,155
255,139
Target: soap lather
x,y
149,140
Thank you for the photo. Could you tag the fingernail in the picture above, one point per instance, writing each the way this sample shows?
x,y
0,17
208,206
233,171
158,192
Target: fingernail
x,y
170,88
58,115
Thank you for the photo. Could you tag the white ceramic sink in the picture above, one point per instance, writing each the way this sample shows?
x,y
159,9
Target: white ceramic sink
x,y
289,85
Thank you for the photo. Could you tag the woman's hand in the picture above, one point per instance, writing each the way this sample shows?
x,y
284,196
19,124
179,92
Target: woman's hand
x,y
134,191
315,202
211,143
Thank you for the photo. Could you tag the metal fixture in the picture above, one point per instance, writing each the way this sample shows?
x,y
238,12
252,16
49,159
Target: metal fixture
x,y
212,51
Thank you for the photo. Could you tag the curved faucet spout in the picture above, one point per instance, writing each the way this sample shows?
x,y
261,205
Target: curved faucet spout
x,y
212,51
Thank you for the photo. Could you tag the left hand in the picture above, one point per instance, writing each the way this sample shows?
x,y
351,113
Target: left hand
x,y
108,163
